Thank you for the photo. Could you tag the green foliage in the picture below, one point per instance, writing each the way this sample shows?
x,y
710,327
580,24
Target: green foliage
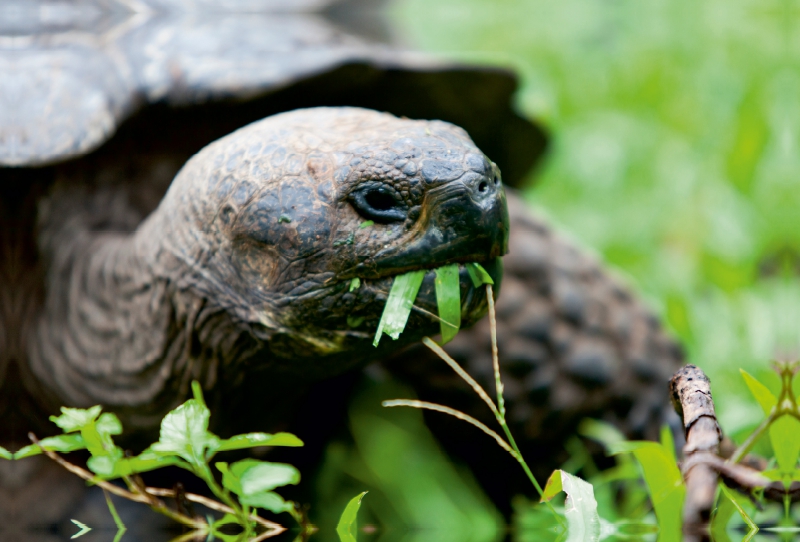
x,y
583,523
347,527
664,482
185,442
5,454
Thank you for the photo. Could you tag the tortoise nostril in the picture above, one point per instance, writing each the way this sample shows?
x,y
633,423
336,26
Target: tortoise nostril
x,y
379,203
496,180
483,186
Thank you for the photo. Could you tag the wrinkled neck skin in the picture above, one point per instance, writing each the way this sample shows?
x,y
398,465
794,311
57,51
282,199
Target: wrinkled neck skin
x,y
114,330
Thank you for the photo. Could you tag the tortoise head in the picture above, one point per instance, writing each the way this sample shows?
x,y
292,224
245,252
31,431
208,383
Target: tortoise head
x,y
276,220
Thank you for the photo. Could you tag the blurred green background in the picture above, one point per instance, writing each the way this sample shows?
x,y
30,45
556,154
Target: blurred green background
x,y
674,138
674,131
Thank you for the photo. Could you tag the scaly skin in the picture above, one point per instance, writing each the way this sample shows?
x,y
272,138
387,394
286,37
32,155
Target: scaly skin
x,y
246,264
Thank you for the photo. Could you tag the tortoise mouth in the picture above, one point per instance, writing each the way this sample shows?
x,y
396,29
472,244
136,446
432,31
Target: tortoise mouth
x,y
424,312
339,329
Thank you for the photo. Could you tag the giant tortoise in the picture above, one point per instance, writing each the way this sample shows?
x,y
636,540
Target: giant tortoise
x,y
137,253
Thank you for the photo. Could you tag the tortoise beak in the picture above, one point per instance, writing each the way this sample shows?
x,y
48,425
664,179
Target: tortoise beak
x,y
460,222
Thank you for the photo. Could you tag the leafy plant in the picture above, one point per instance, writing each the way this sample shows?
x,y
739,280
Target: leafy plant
x,y
184,442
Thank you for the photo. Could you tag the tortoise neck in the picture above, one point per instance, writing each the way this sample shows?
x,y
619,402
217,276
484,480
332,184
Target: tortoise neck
x,y
116,331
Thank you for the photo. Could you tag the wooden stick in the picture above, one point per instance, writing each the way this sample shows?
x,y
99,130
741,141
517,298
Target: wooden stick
x,y
691,396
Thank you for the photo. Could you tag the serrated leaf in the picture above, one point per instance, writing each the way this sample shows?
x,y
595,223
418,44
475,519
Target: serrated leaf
x,y
251,440
108,424
664,482
448,300
784,433
59,443
478,274
184,432
347,525
761,393
73,419
398,305
580,509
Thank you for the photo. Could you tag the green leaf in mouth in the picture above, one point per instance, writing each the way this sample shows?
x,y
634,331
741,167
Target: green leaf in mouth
x,y
478,274
448,299
398,305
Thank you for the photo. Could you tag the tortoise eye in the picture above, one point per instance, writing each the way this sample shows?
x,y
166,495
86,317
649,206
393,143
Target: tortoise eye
x,y
379,203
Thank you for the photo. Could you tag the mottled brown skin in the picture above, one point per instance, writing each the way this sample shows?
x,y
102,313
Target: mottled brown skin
x,y
246,264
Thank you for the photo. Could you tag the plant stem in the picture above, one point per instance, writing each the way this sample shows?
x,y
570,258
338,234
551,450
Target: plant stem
x,y
745,448
498,384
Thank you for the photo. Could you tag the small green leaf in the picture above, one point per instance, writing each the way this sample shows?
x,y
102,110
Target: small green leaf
x,y
366,224
253,481
73,419
448,299
398,305
478,274
83,528
5,454
664,481
268,501
347,526
580,509
784,434
184,432
355,284
285,218
257,476
59,443
251,440
108,424
762,394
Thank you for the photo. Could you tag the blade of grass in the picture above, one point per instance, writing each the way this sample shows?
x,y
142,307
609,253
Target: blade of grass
x,y
448,299
398,305
347,522
478,274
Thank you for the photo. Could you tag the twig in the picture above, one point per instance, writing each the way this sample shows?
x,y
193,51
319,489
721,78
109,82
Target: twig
x,y
691,396
149,495
214,505
453,412
427,341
